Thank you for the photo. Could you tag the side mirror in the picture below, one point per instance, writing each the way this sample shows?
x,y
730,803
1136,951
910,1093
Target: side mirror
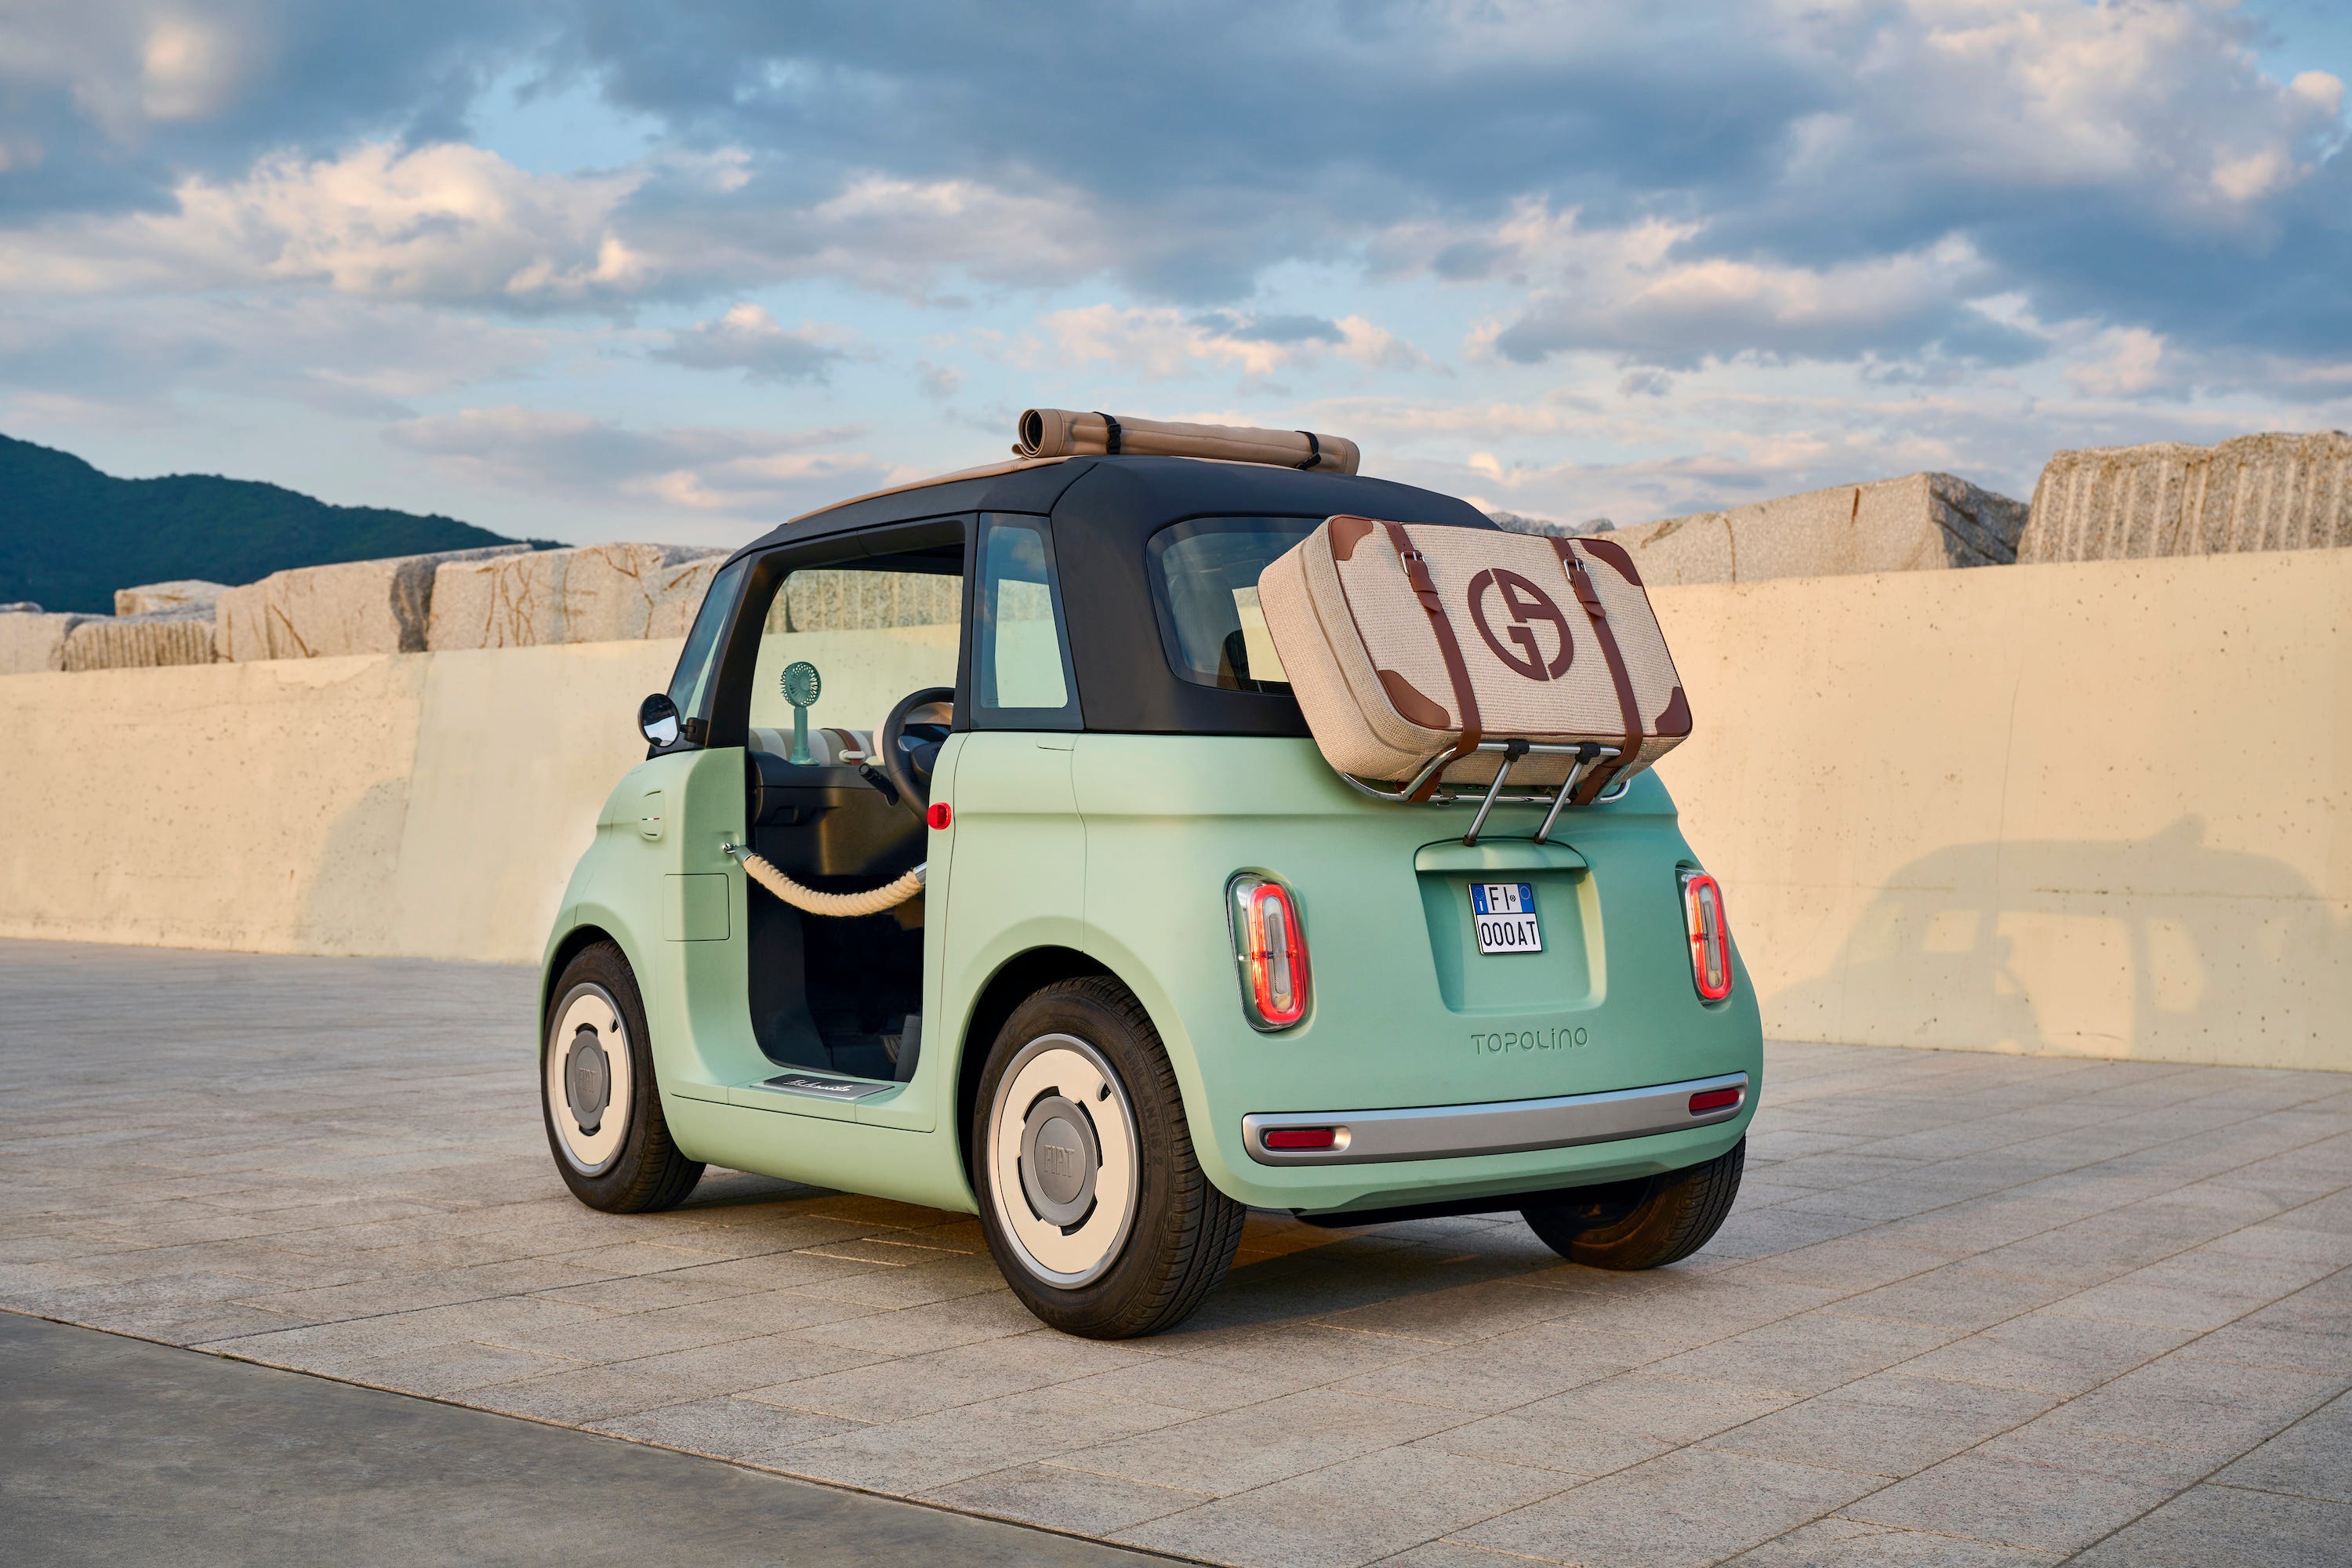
x,y
658,717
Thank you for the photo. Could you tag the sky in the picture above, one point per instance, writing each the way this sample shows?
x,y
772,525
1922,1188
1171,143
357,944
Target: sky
x,y
594,270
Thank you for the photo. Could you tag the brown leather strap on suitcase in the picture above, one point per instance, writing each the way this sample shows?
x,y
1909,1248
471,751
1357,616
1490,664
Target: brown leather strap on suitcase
x,y
1598,779
1465,700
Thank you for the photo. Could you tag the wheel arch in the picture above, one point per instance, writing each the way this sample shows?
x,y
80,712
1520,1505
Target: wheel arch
x,y
1013,983
558,957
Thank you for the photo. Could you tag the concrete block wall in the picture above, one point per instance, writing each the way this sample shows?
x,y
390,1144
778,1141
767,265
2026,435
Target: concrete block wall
x,y
2098,809
824,600
2095,809
191,597
357,805
499,596
600,592
147,641
352,608
1918,522
2256,492
32,641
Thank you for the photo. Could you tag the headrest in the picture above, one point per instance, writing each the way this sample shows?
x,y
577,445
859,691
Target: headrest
x,y
1067,433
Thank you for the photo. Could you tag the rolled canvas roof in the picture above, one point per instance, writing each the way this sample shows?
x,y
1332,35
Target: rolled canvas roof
x,y
1068,433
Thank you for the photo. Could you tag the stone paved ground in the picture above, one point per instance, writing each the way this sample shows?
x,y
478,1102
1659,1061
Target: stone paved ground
x,y
1971,1308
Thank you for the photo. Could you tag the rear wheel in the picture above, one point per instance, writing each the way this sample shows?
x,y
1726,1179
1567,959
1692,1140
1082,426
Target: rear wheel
x,y
1093,1203
1646,1223
598,1094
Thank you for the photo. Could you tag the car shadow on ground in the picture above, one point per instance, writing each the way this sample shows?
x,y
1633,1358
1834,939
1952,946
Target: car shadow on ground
x,y
1286,1271
1291,1272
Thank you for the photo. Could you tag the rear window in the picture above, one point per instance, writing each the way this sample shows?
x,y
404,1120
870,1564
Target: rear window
x,y
1205,583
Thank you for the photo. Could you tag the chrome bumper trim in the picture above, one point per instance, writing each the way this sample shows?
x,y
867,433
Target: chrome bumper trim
x,y
1500,1127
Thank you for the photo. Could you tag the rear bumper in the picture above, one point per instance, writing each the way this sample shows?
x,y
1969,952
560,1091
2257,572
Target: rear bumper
x,y
1500,1127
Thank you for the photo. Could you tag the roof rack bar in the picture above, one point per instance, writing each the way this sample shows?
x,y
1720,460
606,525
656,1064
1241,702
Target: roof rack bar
x,y
1512,752
1586,755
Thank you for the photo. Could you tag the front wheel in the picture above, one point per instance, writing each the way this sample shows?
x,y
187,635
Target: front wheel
x,y
597,1093
1647,1222
1093,1203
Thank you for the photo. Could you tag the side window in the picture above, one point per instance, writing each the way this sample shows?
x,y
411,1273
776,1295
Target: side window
x,y
690,685
874,630
1204,578
1020,652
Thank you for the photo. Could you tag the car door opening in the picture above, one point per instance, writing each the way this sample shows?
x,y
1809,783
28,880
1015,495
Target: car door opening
x,y
834,842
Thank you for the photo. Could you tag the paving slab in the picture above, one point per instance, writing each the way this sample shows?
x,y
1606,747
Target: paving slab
x,y
1971,1308
115,1450
2207,1525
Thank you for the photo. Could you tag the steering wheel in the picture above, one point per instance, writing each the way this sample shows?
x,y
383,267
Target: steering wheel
x,y
910,741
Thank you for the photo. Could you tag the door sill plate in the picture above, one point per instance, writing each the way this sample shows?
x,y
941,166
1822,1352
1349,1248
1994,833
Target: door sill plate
x,y
822,1086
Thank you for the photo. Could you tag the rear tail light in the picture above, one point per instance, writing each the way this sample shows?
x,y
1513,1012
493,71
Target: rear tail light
x,y
1269,950
1300,1137
1708,1099
1710,943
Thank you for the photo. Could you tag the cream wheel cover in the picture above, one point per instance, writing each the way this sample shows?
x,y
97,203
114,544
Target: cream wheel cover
x,y
1061,1102
591,1079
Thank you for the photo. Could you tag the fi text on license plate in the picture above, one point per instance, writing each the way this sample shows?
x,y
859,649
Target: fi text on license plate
x,y
1505,913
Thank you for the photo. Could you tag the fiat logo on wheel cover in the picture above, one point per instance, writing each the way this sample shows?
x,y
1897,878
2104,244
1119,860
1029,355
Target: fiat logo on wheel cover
x,y
1527,605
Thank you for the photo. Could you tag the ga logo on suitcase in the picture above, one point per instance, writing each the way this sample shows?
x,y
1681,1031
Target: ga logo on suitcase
x,y
1526,603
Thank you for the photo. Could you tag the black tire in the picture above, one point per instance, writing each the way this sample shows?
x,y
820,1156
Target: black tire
x,y
1180,1237
645,1170
1643,1223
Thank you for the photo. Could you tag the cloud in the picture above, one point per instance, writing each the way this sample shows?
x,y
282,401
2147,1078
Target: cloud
x,y
938,382
446,222
2124,361
109,105
749,473
2050,136
1674,260
1651,291
2124,161
748,339
1159,342
889,235
460,225
362,358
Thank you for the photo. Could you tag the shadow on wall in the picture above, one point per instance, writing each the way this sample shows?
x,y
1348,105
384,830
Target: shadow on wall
x,y
2161,946
345,908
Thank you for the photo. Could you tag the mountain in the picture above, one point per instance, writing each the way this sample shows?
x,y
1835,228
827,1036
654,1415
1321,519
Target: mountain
x,y
69,535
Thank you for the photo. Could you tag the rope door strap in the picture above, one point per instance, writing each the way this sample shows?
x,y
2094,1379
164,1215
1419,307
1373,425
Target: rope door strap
x,y
1449,648
844,906
1314,451
1628,710
1110,433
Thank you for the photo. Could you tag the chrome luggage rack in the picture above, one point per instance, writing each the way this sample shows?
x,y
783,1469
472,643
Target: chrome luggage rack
x,y
1585,754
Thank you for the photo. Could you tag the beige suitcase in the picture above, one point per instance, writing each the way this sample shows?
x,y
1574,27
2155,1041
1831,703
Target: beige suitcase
x,y
1414,644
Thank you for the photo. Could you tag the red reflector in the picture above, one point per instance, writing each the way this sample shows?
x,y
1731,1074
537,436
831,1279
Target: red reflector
x,y
1708,1099
1300,1137
939,816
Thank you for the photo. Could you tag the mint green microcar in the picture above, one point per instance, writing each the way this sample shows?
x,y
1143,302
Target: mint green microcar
x,y
1164,965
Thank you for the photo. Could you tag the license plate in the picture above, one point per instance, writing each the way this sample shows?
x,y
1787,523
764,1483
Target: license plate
x,y
1505,914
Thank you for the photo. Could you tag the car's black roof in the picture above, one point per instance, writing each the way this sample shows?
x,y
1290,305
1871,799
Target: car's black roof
x,y
1163,490
1103,510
